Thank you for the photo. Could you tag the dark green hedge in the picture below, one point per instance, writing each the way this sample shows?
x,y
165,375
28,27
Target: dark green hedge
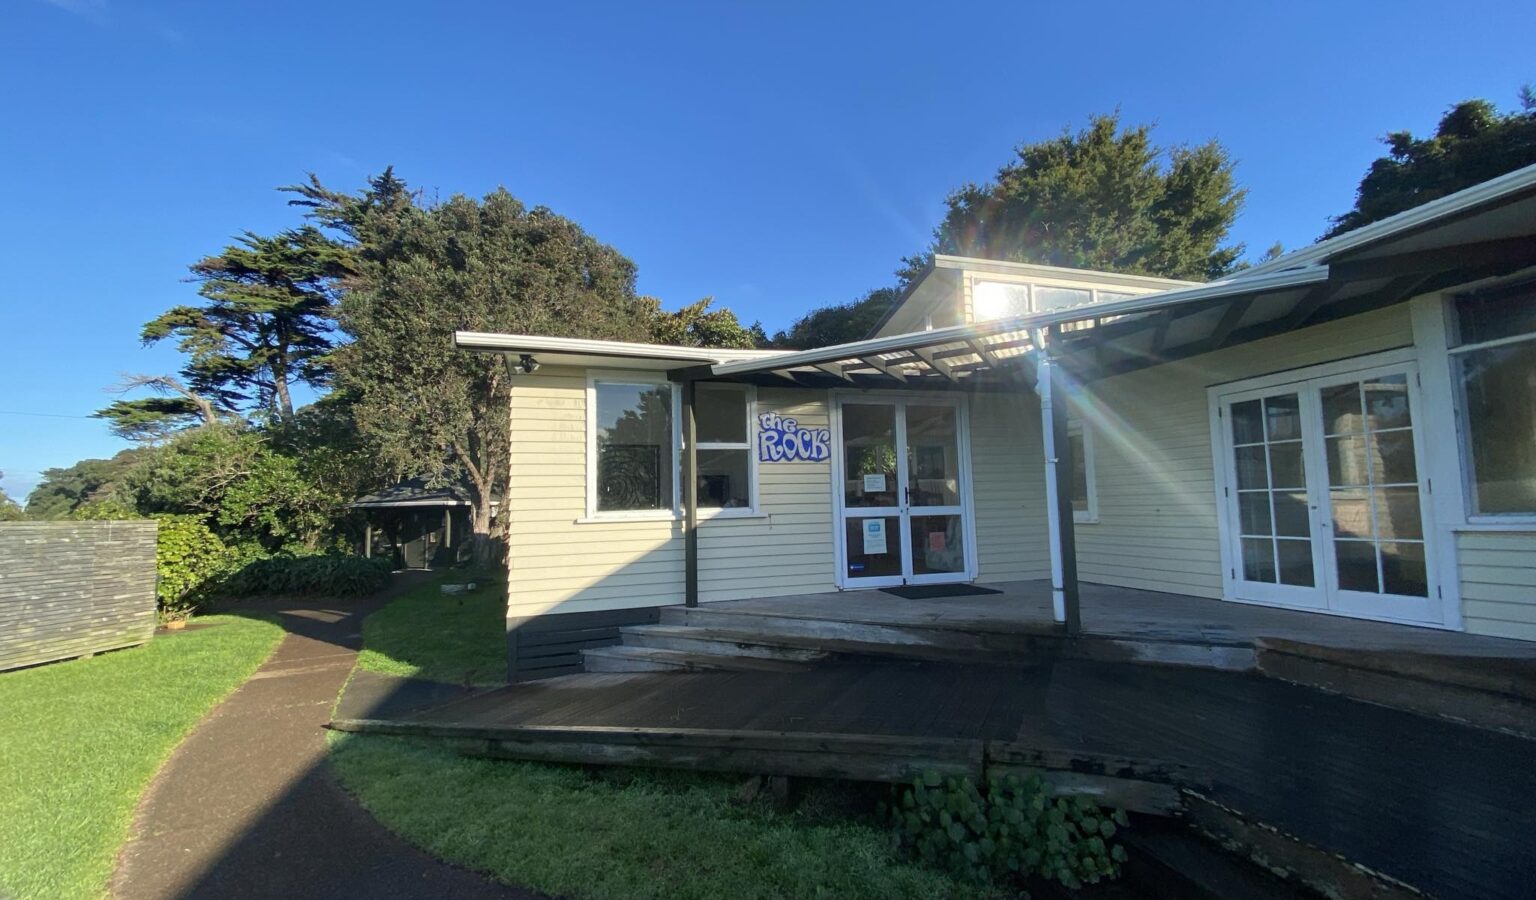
x,y
330,575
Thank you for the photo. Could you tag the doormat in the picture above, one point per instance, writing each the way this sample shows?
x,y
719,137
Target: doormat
x,y
935,591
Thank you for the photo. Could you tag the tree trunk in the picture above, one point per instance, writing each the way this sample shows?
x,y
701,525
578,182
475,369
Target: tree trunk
x,y
482,545
282,406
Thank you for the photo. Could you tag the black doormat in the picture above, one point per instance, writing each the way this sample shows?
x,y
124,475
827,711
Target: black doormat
x,y
935,591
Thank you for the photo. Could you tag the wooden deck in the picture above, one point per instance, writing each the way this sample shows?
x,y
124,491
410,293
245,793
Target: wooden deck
x,y
1439,806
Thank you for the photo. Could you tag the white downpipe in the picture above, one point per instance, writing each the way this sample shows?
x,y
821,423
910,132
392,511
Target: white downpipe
x,y
1052,508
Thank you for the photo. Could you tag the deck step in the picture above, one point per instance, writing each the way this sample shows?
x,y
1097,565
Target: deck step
x,y
940,642
654,659
720,642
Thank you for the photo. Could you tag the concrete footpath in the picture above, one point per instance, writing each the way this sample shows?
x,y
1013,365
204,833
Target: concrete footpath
x,y
247,807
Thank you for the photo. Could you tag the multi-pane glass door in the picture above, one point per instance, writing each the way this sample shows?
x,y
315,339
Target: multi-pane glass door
x,y
1325,507
903,511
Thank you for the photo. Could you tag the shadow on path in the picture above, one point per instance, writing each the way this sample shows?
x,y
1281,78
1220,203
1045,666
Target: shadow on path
x,y
248,807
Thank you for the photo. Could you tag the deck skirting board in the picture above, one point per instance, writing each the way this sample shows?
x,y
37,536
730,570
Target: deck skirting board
x,y
551,644
1135,785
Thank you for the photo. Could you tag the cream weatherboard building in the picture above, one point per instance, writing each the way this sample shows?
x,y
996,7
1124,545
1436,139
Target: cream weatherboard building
x,y
1349,429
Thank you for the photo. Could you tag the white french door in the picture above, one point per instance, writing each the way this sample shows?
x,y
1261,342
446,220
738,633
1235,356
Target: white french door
x,y
902,505
1324,504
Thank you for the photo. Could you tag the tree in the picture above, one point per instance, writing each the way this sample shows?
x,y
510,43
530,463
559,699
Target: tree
x,y
838,323
63,491
1472,144
233,478
266,322
493,265
1105,198
696,325
150,420
10,510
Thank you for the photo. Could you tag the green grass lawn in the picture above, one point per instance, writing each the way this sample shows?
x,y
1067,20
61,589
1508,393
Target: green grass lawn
x,y
616,834
81,740
459,639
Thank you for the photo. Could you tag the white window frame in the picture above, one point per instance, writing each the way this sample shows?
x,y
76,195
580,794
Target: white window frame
x,y
1089,516
594,378
1449,322
750,446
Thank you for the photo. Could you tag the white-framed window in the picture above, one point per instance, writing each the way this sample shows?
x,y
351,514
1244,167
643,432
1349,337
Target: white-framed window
x,y
998,300
1085,495
631,446
1493,353
724,417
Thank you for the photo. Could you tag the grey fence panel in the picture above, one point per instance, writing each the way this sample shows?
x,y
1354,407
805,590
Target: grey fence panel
x,y
68,589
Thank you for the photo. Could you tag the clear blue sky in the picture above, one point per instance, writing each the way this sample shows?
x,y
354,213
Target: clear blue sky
x,y
776,160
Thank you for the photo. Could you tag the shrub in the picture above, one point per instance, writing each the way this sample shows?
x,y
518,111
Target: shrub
x,y
328,575
187,556
1012,830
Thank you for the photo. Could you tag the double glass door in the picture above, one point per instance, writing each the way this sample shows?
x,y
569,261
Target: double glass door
x,y
1325,505
903,510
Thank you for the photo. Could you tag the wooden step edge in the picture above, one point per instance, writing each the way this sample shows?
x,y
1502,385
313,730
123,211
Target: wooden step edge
x,y
1290,857
1169,859
689,661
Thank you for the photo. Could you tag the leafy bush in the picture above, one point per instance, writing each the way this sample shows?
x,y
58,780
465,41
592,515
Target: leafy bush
x,y
1010,830
187,556
328,575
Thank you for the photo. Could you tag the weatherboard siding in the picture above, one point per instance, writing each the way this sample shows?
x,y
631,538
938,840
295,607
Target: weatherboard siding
x,y
1498,582
1008,473
1155,475
559,563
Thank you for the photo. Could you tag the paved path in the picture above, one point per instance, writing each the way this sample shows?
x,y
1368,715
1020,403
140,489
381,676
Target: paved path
x,y
247,807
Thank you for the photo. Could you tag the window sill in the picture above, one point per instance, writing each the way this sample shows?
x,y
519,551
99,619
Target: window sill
x,y
1516,526
601,519
1085,520
732,514
704,517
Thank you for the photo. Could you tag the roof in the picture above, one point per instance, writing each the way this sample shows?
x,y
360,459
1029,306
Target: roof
x,y
557,351
413,492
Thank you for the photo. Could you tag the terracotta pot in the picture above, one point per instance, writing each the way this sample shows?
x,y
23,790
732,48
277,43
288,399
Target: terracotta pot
x,y
175,624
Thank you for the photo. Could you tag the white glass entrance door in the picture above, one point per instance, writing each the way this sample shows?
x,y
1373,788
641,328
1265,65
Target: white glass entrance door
x,y
1324,504
903,506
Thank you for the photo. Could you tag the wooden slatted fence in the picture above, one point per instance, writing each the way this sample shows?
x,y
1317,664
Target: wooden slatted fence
x,y
71,589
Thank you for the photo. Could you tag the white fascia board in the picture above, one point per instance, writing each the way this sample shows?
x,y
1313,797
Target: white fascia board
x,y
1489,191
978,265
528,343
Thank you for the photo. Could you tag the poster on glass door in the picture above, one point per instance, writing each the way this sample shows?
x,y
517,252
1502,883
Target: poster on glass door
x,y
874,537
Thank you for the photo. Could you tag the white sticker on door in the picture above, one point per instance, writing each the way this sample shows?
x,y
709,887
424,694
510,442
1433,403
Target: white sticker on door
x,y
874,484
874,537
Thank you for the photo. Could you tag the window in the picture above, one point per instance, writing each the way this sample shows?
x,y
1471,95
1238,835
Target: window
x,y
723,421
632,447
998,300
1494,351
1047,298
1085,500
